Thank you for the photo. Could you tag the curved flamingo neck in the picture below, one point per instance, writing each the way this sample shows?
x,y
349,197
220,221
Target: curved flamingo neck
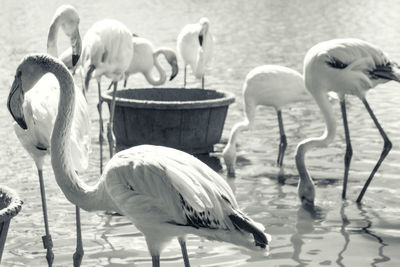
x,y
162,75
236,129
75,190
53,36
326,138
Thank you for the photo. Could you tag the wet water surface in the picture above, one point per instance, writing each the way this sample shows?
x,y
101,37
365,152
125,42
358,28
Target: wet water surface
x,y
247,34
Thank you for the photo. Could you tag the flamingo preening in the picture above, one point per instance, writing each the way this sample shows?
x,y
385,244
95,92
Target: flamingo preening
x,y
166,193
195,45
345,66
107,50
267,85
40,110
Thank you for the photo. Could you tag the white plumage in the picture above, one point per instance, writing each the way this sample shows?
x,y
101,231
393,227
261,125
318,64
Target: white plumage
x,y
165,192
146,57
40,108
195,46
267,85
107,50
345,66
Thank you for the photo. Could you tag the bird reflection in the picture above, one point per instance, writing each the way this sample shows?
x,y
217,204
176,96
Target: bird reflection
x,y
345,223
366,230
306,217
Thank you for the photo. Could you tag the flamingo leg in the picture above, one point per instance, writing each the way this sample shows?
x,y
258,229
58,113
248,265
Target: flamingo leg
x,y
283,143
125,82
184,78
202,82
78,255
387,146
155,260
185,255
110,134
47,242
101,130
349,149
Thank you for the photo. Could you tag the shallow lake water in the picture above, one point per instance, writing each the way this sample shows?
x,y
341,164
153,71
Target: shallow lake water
x,y
247,34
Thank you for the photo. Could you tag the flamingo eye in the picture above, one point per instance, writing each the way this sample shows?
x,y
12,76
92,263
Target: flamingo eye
x,y
336,63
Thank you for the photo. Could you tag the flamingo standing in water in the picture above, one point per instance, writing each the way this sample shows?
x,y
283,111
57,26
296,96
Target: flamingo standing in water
x,y
195,45
268,85
166,193
345,66
40,110
107,50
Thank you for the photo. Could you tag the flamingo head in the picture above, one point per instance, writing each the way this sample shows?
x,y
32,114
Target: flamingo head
x,y
67,17
204,26
306,193
26,76
229,155
347,64
170,56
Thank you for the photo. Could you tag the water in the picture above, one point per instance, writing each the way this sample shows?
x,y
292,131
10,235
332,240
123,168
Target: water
x,y
248,34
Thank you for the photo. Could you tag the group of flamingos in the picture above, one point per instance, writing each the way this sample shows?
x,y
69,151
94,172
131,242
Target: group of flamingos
x,y
167,193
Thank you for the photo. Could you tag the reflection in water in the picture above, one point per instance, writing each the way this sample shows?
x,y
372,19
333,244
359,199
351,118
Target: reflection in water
x,y
345,222
304,225
366,230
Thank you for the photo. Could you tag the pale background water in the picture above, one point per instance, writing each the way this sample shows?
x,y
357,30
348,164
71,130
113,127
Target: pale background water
x,y
247,34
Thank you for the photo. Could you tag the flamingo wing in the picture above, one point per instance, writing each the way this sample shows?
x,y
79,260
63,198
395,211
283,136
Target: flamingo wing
x,y
169,185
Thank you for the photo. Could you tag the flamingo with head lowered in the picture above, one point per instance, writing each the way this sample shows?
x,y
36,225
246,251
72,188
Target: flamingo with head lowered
x,y
146,57
345,66
166,193
195,46
268,85
40,110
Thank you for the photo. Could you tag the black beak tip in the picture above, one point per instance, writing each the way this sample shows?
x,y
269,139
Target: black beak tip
x,y
75,59
22,124
172,77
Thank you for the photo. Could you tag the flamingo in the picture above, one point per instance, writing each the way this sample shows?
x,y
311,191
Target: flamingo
x,y
267,85
144,60
40,110
146,57
195,45
166,193
345,66
107,50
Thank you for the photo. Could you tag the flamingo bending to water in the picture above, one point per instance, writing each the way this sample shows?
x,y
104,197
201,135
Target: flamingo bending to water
x,y
345,66
107,50
146,57
268,85
166,193
195,45
40,110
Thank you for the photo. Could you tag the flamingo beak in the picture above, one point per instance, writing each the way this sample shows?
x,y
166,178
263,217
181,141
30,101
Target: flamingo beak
x,y
388,72
201,36
15,101
175,69
76,44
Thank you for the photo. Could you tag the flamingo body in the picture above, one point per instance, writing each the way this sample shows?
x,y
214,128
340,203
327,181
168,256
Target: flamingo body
x,y
267,85
40,110
194,54
108,46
